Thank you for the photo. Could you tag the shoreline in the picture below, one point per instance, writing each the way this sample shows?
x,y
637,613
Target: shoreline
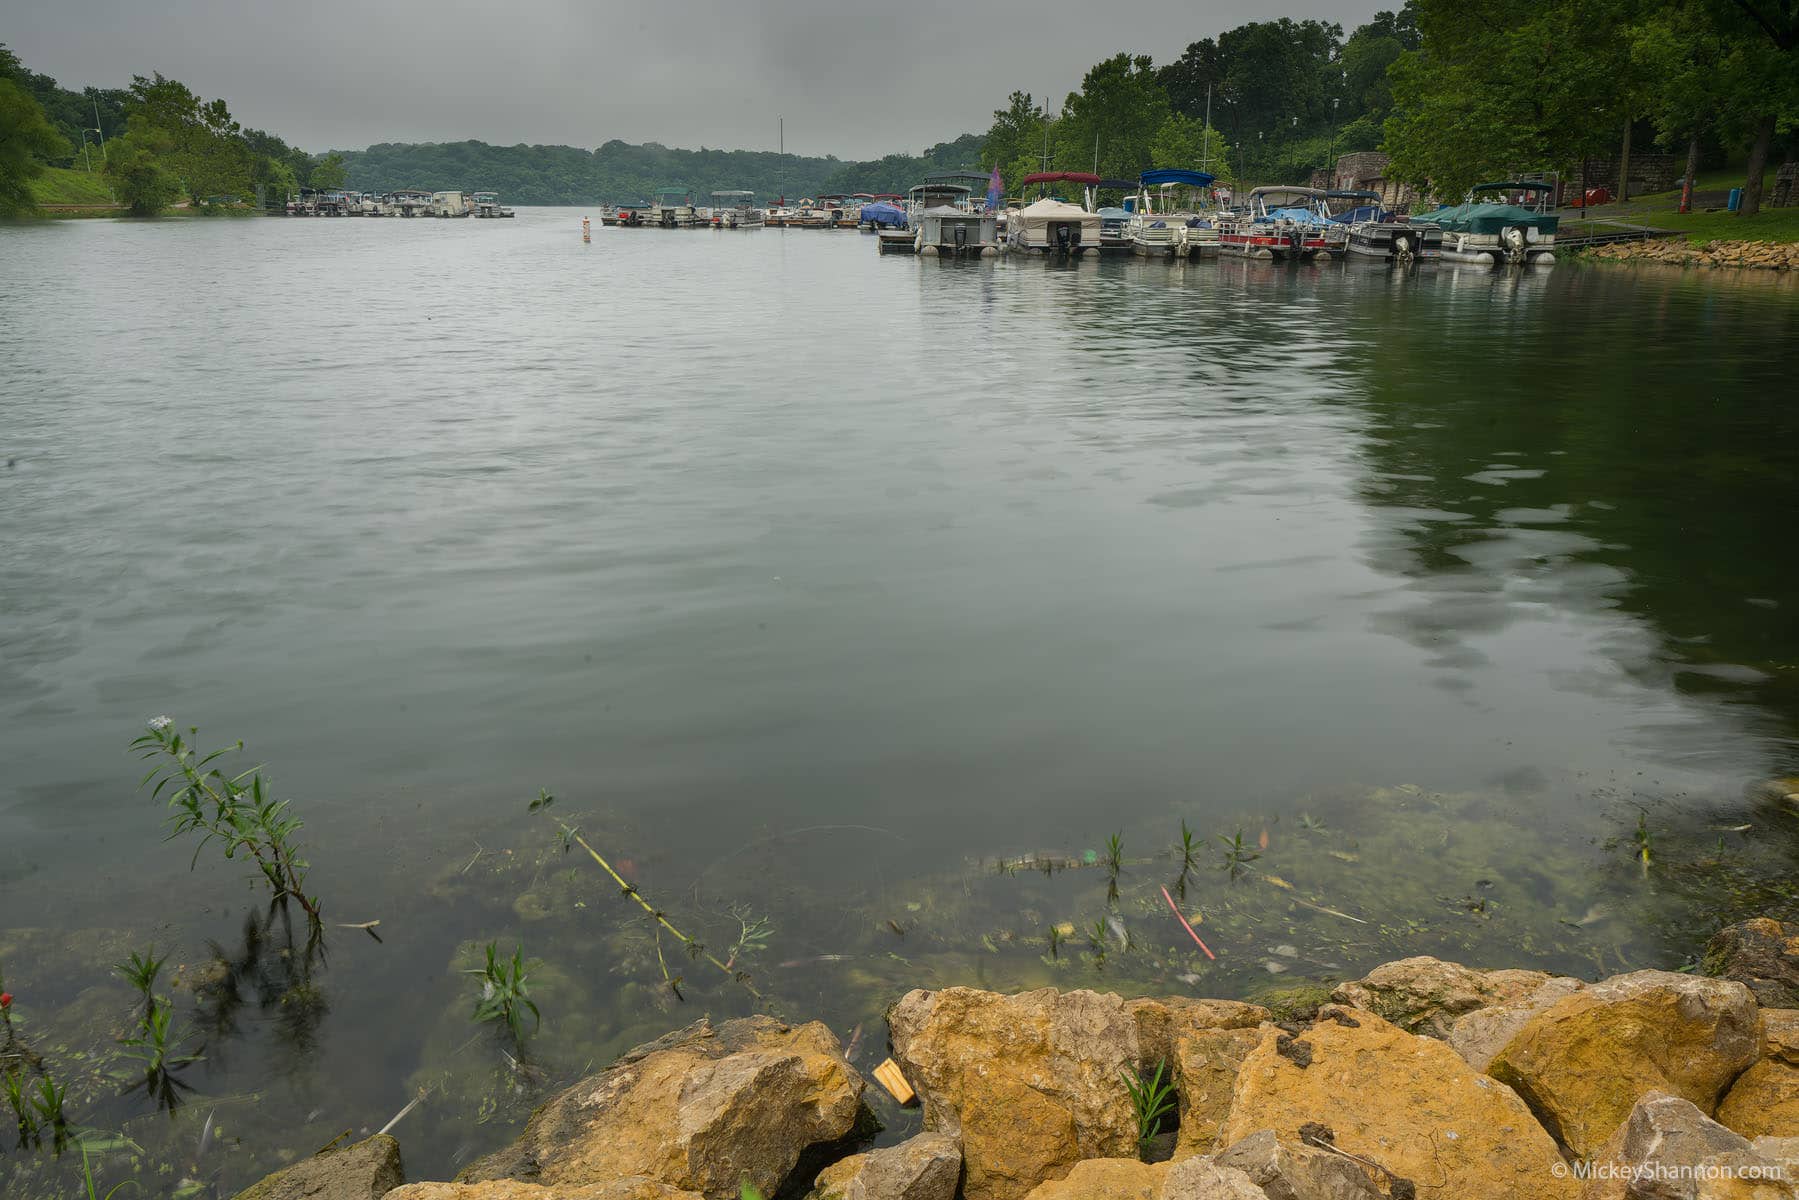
x,y
1424,1078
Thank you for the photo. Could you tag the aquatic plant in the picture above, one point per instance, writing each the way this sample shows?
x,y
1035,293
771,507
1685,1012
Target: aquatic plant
x,y
93,1190
1312,824
505,991
752,935
1114,853
1055,941
235,811
695,948
48,1106
140,970
1151,1100
1189,849
1237,854
1096,940
1645,840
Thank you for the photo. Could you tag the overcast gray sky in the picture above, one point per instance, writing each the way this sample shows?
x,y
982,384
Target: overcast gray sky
x,y
853,79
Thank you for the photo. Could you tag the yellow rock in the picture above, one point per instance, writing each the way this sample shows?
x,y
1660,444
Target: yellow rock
x,y
1106,1179
632,1188
1582,1063
1406,1102
1765,1098
1206,1063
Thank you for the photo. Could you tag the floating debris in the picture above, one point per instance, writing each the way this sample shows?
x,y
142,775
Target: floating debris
x,y
888,1076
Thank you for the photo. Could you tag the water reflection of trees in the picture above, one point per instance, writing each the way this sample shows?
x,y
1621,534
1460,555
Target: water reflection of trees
x,y
1598,444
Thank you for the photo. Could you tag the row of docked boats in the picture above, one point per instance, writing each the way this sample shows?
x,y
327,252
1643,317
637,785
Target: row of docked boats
x,y
678,208
1179,214
407,202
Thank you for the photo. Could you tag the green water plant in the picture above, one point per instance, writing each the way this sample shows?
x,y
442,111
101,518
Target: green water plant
x,y
1237,854
1645,841
1152,1098
92,1188
1189,850
1055,941
156,1042
236,811
505,991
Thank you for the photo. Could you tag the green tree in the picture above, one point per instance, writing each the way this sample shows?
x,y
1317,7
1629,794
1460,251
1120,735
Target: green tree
x,y
1185,142
1114,118
1016,133
208,152
135,163
1764,58
26,139
329,173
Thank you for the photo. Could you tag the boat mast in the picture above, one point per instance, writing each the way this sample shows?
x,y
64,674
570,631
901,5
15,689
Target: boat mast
x,y
1205,155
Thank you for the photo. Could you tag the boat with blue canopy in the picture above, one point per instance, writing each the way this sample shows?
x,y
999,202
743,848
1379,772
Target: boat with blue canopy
x,y
1281,222
1174,216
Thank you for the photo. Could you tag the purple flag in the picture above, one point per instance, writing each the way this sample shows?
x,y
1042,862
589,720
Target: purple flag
x,y
993,190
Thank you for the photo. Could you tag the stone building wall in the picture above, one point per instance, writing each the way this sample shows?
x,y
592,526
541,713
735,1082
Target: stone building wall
x,y
1648,173
1786,187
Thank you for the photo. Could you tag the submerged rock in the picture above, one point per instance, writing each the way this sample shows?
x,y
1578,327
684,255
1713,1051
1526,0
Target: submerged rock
x,y
1294,1171
1764,1100
1106,1179
926,1167
367,1170
703,1110
1406,1102
1667,1149
1582,1063
1425,995
1763,955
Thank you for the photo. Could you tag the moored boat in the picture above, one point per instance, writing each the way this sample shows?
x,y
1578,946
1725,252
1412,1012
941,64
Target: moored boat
x,y
1372,232
735,210
487,204
1053,227
672,208
1514,226
1281,222
1164,226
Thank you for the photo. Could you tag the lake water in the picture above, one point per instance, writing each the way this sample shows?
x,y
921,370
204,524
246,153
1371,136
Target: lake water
x,y
865,596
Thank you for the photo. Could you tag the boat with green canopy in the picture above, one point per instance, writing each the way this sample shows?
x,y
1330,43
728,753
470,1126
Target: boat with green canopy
x,y
1510,224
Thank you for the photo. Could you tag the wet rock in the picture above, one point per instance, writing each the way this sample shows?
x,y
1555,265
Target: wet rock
x,y
1763,955
1406,1102
926,1167
1667,1149
1203,1179
1765,1098
1295,1171
367,1170
1030,1084
702,1109
1161,1022
632,1187
1299,1002
1425,995
1479,1035
1582,1063
1106,1179
1206,1062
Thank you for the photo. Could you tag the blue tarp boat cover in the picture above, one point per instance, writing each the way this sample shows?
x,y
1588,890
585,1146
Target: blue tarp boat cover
x,y
884,214
1171,175
1299,216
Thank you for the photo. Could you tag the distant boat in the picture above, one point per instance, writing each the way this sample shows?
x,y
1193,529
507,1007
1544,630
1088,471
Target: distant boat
x,y
673,208
487,204
735,210
1513,227
450,204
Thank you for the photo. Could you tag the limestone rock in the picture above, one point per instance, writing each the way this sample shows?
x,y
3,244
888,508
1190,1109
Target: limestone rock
x,y
1583,1063
633,1187
701,1110
1160,1022
1206,1062
1031,1084
1782,1151
1203,1179
1106,1179
1479,1035
367,1170
1425,995
926,1167
1763,955
1294,1171
1666,1149
1408,1103
1765,1098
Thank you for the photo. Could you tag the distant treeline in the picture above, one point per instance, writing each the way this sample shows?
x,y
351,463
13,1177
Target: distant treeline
x,y
620,172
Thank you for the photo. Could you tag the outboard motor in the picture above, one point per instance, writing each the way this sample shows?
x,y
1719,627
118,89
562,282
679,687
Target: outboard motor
x,y
1513,238
1064,239
1404,247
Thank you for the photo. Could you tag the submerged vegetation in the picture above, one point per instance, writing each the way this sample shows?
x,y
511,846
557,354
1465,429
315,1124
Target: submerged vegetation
x,y
505,991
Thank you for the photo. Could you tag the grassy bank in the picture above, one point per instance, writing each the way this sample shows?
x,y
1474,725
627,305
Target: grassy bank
x,y
1709,219
61,187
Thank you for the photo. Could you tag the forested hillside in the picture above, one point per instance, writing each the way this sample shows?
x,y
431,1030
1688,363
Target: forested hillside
x,y
620,171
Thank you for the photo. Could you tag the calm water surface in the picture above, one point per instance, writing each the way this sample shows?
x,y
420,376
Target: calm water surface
x,y
843,591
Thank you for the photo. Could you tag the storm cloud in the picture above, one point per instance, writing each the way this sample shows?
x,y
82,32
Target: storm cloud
x,y
853,79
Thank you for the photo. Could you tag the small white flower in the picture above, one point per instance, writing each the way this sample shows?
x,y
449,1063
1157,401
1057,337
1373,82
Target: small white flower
x,y
161,723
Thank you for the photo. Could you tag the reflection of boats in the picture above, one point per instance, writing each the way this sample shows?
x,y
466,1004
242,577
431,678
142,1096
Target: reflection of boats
x,y
672,208
1514,227
1282,223
1371,232
735,210
1164,226
487,204
1053,227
